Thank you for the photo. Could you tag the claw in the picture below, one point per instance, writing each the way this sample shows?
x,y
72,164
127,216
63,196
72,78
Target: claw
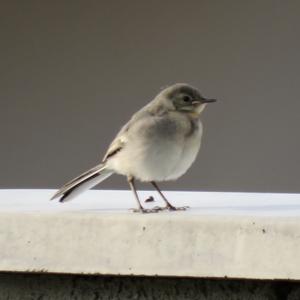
x,y
146,210
174,208
156,209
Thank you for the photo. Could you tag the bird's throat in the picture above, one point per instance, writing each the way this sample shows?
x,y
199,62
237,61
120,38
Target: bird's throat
x,y
197,111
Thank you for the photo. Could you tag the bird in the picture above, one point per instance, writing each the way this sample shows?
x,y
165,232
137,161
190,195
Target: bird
x,y
159,143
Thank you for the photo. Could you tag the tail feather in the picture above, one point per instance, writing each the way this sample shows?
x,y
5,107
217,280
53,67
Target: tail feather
x,y
82,183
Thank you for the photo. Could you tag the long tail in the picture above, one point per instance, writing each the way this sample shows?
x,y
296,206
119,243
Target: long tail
x,y
82,183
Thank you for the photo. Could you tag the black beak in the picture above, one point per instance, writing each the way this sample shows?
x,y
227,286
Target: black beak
x,y
205,100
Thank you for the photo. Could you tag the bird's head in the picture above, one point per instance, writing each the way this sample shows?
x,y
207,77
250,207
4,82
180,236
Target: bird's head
x,y
184,98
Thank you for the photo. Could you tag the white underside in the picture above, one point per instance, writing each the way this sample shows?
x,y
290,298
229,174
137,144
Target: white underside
x,y
160,160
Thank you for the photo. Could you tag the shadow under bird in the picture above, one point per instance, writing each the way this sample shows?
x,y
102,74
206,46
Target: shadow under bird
x,y
159,143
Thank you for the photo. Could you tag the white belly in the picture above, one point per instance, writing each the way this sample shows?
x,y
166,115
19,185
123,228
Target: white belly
x,y
158,159
187,157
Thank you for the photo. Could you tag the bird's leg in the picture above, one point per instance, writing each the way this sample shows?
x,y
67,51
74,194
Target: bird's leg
x,y
141,208
168,204
130,180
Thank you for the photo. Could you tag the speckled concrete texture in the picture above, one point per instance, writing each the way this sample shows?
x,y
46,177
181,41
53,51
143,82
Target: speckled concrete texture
x,y
15,286
232,235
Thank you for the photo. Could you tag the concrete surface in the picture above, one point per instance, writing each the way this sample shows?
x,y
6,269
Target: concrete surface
x,y
231,235
66,287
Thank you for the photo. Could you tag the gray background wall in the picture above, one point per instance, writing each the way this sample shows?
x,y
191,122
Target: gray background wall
x,y
72,72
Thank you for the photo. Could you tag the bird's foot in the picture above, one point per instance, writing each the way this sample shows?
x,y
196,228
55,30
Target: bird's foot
x,y
142,210
174,208
156,209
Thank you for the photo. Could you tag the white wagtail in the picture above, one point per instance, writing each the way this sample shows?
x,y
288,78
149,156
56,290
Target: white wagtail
x,y
159,143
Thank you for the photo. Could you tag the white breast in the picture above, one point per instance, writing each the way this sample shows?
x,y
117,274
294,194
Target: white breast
x,y
150,156
189,153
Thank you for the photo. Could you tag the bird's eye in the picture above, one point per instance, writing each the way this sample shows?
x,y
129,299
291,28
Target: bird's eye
x,y
186,98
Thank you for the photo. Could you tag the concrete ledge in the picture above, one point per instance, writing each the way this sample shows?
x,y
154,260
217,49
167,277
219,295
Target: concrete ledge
x,y
231,235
